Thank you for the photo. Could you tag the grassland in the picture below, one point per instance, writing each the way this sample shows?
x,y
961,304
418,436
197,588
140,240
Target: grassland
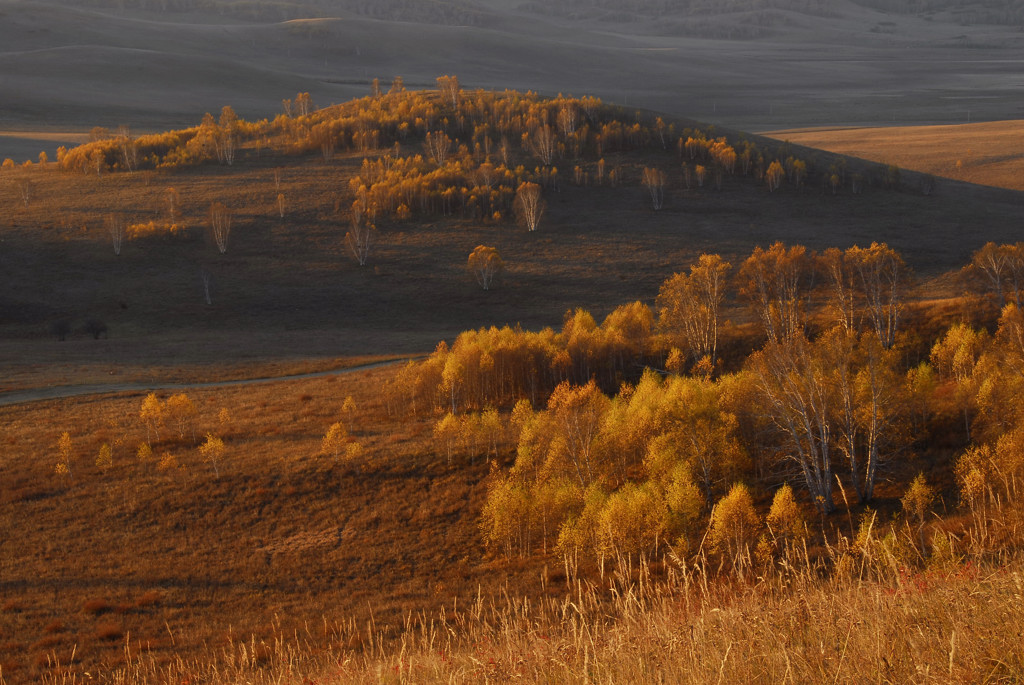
x,y
283,562
174,560
990,154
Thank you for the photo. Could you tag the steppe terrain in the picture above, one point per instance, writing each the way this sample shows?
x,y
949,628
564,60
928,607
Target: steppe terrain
x,y
162,519
989,154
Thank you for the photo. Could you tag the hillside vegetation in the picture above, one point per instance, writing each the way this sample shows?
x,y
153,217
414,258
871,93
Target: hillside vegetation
x,y
711,375
288,287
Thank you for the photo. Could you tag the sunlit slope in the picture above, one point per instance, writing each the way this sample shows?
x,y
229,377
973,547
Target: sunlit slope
x,y
990,153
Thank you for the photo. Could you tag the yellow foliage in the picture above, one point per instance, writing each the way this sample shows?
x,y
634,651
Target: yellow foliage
x,y
104,460
918,498
152,228
733,523
334,439
784,518
632,520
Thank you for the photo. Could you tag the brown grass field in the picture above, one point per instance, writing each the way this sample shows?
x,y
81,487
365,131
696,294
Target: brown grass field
x,y
989,154
173,561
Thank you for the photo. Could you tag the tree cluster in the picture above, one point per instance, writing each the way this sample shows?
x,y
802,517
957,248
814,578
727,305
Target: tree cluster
x,y
619,462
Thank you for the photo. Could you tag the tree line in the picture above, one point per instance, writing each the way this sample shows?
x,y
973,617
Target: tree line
x,y
623,443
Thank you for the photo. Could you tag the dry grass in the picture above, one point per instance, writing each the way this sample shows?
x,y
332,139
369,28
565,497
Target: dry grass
x,y
990,153
930,627
181,561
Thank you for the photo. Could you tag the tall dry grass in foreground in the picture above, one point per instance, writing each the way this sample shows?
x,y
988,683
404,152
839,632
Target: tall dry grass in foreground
x,y
952,621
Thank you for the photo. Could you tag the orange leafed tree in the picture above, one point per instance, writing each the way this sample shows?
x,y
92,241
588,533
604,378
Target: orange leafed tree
x,y
485,264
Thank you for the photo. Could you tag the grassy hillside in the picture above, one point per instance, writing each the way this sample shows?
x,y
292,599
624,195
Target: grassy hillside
x,y
310,527
288,289
990,154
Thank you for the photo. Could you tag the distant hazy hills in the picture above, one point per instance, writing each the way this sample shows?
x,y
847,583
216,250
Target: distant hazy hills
x,y
491,12
750,64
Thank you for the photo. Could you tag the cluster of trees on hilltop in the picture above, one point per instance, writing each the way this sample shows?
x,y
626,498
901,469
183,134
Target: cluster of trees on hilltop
x,y
451,150
619,460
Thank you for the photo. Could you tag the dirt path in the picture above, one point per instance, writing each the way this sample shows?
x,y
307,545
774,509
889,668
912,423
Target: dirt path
x,y
63,391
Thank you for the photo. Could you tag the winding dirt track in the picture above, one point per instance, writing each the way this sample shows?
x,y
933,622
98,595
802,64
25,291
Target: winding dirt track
x,y
57,392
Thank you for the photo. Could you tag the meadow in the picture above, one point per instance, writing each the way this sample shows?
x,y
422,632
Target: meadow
x,y
987,154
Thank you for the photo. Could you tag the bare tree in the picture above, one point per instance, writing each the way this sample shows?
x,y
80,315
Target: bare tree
x,y
793,385
438,145
449,89
128,148
529,205
220,225
206,278
774,175
359,238
774,281
883,276
654,181
543,143
689,305
116,227
173,199
568,119
26,189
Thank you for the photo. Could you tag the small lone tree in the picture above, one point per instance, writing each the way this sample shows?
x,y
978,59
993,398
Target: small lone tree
x,y
61,328
784,519
173,199
360,238
334,439
116,228
773,177
733,524
654,181
529,205
182,412
63,467
485,263
219,217
105,458
212,452
151,415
